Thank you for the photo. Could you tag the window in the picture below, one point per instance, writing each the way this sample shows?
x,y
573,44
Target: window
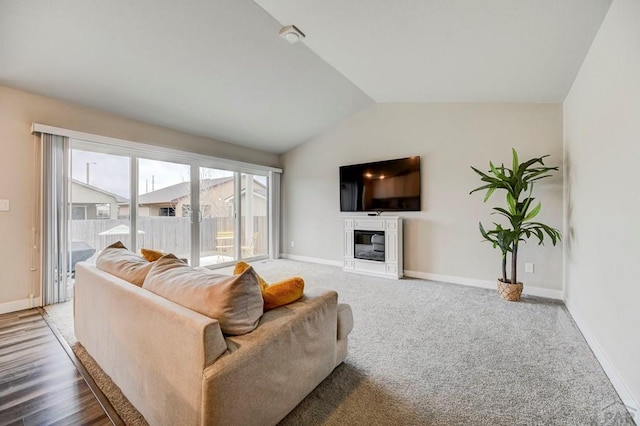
x,y
78,212
167,211
103,211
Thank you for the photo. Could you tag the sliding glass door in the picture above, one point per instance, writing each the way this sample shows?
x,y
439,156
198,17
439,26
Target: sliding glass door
x,y
99,193
254,220
165,208
209,211
233,216
217,230
207,215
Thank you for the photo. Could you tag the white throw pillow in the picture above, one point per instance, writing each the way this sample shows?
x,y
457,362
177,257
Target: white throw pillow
x,y
235,301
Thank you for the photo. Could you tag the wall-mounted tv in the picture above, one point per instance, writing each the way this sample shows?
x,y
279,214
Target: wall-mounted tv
x,y
392,185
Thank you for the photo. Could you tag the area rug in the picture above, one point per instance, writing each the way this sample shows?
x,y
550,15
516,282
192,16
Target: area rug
x,y
61,316
430,353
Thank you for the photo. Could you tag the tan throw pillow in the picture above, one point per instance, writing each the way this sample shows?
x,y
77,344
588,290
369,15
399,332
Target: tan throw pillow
x,y
235,301
119,261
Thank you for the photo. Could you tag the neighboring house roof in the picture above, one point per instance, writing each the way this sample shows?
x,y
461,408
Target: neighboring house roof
x,y
260,192
119,199
173,193
168,194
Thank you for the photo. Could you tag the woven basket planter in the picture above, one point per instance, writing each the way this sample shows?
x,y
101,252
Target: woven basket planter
x,y
510,292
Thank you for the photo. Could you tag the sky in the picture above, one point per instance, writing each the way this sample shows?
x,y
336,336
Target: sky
x,y
111,172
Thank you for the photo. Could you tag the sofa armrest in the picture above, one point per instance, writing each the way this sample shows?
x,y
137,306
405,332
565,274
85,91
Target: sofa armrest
x,y
345,325
153,349
267,372
345,320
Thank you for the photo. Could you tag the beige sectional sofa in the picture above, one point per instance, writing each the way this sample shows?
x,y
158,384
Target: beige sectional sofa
x,y
178,368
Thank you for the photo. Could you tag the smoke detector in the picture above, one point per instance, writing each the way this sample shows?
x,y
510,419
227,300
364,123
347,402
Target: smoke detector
x,y
291,33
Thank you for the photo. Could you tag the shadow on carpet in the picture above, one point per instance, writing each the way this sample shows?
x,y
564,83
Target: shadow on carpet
x,y
348,397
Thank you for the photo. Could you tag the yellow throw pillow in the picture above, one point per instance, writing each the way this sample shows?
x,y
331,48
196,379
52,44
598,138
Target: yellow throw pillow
x,y
283,292
151,255
277,294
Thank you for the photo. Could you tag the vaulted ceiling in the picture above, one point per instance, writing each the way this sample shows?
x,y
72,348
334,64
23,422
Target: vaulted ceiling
x,y
219,69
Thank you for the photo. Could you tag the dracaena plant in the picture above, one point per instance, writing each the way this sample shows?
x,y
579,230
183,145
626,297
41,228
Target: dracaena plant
x,y
519,209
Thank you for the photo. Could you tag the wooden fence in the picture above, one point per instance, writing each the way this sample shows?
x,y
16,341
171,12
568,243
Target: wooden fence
x,y
170,234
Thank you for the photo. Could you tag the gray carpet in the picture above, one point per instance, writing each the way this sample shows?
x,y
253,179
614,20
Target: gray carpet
x,y
428,353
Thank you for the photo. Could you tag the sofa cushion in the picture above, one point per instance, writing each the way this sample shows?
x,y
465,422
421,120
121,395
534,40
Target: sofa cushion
x,y
124,264
235,301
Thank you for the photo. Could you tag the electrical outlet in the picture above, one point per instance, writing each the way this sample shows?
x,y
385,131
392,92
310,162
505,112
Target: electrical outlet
x,y
293,244
528,267
4,205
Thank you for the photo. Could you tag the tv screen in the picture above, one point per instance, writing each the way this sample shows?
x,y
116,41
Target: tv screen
x,y
392,185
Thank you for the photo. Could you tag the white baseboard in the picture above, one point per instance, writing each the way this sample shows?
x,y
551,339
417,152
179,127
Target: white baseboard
x,y
533,291
311,259
617,382
19,305
471,282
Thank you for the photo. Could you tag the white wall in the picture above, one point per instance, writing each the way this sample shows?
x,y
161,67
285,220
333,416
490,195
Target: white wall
x,y
443,238
18,110
602,155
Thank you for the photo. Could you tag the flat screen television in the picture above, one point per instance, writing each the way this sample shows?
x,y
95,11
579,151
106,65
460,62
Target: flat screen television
x,y
392,185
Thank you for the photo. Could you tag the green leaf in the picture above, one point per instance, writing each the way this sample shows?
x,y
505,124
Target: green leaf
x,y
538,178
493,169
489,192
524,206
525,166
539,234
515,160
533,212
502,211
479,172
528,176
489,185
483,232
511,202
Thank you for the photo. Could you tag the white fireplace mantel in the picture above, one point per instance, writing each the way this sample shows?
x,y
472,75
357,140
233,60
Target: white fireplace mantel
x,y
392,227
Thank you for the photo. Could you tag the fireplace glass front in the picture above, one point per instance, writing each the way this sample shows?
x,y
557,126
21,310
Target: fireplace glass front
x,y
369,245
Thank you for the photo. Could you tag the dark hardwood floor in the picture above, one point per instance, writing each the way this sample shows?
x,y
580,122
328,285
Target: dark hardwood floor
x,y
39,383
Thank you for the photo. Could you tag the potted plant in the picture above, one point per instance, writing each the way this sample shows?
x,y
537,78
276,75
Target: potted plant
x,y
518,183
